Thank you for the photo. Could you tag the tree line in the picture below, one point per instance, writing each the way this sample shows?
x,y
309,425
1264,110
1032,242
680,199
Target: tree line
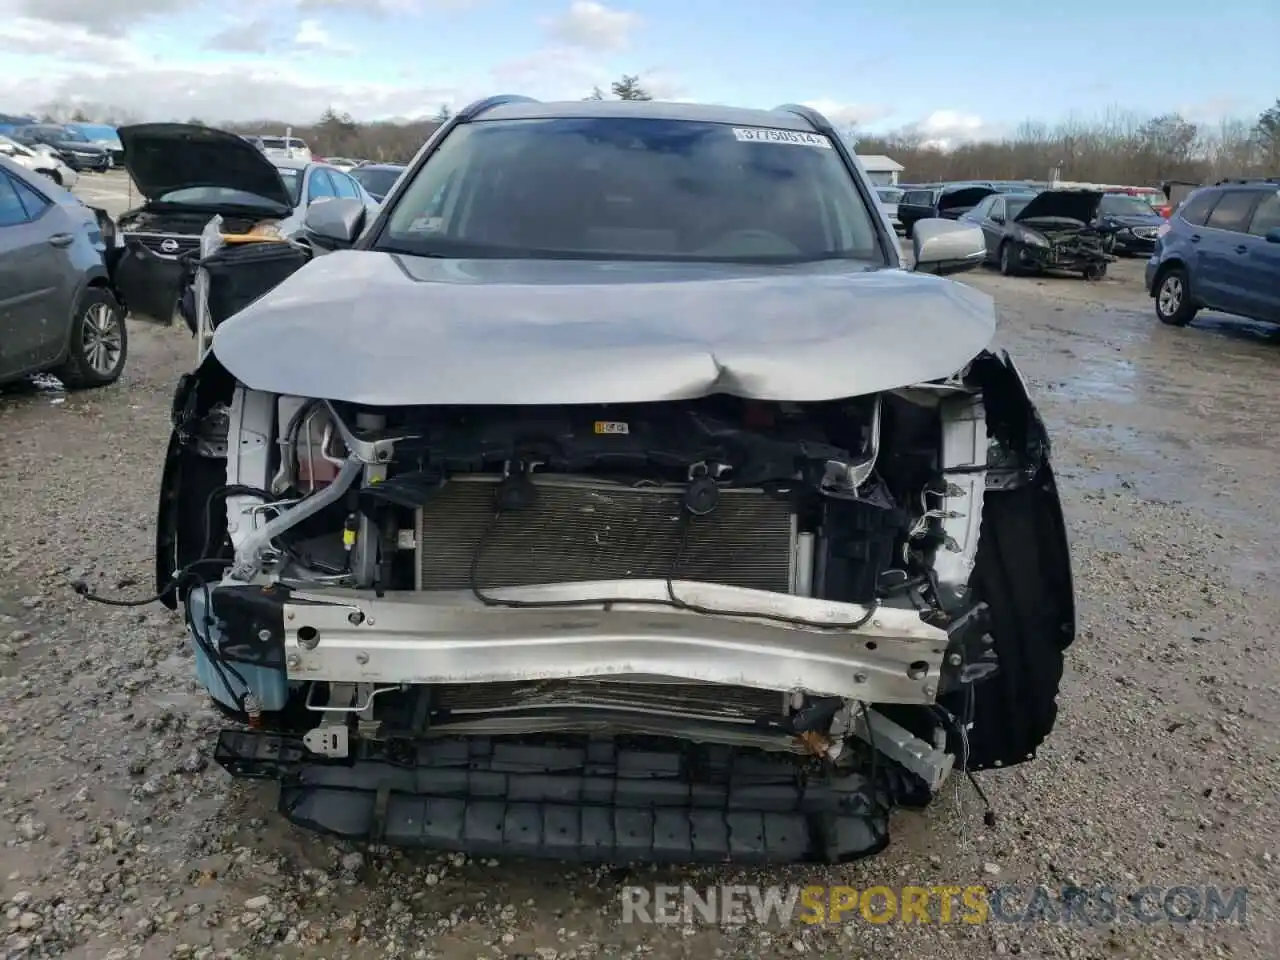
x,y
1118,147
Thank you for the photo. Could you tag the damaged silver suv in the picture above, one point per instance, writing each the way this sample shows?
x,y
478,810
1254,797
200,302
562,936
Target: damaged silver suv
x,y
615,494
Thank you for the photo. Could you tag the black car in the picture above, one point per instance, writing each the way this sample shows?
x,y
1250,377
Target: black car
x,y
948,201
75,149
378,178
1049,230
1131,223
188,174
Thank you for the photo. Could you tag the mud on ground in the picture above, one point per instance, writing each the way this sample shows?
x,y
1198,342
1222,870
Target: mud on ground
x,y
117,838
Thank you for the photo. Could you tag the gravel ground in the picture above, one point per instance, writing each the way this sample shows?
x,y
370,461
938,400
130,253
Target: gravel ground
x,y
119,839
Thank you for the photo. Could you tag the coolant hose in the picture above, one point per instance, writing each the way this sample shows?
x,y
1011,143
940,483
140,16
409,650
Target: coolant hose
x,y
249,554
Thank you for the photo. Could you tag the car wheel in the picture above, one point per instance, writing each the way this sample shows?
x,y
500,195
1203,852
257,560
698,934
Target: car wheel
x,y
1008,261
1096,272
99,342
53,175
1173,298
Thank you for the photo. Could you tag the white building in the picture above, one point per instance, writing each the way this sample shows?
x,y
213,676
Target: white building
x,y
882,171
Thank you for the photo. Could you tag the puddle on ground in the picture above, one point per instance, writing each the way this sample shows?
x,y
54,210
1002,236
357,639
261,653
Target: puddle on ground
x,y
1106,380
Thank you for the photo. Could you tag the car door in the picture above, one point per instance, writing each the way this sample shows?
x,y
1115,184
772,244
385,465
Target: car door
x,y
37,278
1222,273
1262,269
994,216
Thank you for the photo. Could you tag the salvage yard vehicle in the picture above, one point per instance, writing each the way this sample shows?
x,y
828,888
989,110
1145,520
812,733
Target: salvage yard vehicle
x,y
189,174
1220,250
1130,223
57,312
45,162
948,201
615,494
1051,230
75,149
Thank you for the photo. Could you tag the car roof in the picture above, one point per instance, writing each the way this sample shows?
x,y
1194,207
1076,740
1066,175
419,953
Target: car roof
x,y
647,109
381,166
290,163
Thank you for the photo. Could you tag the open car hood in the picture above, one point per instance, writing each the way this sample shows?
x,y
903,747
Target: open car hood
x,y
163,157
964,197
1081,205
382,329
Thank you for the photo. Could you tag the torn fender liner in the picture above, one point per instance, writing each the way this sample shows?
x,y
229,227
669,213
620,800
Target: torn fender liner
x,y
576,799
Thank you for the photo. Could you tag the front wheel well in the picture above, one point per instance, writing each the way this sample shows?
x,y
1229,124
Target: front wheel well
x,y
1163,271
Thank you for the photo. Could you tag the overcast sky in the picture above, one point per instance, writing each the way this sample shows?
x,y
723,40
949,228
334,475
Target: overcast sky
x,y
951,70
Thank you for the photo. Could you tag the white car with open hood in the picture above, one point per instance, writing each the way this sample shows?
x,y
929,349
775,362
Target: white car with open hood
x,y
614,493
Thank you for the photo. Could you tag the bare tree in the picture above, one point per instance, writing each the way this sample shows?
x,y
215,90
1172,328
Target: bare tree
x,y
596,94
444,114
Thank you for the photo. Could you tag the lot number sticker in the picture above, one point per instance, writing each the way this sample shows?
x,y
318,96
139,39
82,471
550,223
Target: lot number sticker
x,y
795,137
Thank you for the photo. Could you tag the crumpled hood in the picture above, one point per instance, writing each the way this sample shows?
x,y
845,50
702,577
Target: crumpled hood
x,y
383,329
1081,205
163,157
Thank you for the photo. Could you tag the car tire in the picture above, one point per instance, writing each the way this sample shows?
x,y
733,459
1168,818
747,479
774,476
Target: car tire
x,y
99,342
1173,298
1008,261
1095,273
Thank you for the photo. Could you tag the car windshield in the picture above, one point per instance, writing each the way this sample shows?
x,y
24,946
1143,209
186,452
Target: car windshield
x,y
98,131
292,178
69,133
1015,205
631,188
222,196
272,143
376,180
1123,205
889,194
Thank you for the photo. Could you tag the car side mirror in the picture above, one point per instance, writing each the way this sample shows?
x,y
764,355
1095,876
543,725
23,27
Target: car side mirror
x,y
947,246
1273,235
335,223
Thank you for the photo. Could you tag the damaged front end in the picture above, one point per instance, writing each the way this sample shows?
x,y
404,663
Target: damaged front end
x,y
698,629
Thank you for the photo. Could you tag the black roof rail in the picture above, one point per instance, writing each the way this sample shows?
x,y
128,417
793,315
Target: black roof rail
x,y
815,119
1247,180
473,110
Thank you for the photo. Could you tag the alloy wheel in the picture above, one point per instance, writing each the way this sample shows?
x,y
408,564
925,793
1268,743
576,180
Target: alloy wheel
x,y
101,339
1170,298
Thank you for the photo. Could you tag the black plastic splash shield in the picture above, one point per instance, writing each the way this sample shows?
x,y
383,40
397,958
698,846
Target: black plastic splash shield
x,y
592,800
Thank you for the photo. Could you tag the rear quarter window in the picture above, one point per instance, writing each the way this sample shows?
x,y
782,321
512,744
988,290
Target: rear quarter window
x,y
1233,211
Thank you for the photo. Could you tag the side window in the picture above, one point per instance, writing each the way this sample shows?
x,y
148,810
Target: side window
x,y
1267,217
12,212
1195,209
320,186
345,186
32,202
1233,211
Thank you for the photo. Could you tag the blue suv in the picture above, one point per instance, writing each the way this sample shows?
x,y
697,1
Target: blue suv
x,y
1220,250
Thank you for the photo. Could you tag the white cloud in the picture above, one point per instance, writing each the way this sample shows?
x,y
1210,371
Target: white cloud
x,y
237,91
313,37
245,36
108,19
944,129
593,26
849,114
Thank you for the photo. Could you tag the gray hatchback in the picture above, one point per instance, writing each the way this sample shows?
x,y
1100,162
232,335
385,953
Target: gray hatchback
x,y
57,310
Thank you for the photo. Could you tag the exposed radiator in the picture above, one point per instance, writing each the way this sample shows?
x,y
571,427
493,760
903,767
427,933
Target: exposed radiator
x,y
686,699
584,529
